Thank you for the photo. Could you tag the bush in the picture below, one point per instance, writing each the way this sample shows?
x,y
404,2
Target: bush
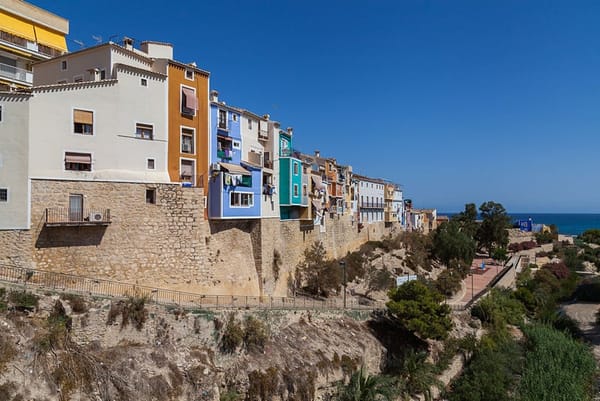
x,y
448,282
233,335
499,308
419,309
78,304
545,237
22,300
559,270
556,367
255,334
58,327
319,275
591,236
133,310
379,280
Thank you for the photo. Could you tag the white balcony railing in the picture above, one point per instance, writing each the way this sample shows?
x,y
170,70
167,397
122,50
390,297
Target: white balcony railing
x,y
15,73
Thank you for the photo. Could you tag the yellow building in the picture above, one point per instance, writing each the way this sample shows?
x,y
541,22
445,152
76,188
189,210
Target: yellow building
x,y
27,34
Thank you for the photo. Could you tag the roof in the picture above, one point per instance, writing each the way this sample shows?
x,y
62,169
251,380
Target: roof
x,y
111,45
365,178
187,66
68,85
140,70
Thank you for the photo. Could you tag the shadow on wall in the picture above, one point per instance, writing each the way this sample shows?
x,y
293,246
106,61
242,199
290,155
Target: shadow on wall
x,y
53,237
247,226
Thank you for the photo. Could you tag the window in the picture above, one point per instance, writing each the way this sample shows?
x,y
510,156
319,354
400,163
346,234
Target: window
x,y
150,164
151,196
144,131
234,117
304,191
223,119
189,74
295,168
75,207
249,124
236,145
1,113
62,81
241,199
63,65
83,122
78,78
102,74
186,170
3,194
78,161
189,101
143,82
296,190
187,140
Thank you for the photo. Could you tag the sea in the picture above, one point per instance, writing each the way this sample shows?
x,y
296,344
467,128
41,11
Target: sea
x,y
567,223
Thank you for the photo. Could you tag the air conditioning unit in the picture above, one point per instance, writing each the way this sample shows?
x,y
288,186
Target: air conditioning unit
x,y
215,167
96,216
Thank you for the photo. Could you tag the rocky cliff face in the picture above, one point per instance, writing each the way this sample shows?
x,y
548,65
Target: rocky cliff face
x,y
175,354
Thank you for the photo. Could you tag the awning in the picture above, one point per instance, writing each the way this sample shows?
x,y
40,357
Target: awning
x,y
191,102
235,169
50,38
83,117
317,204
317,181
78,158
17,26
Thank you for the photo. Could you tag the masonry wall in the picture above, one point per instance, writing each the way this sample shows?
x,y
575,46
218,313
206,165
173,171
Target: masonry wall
x,y
169,244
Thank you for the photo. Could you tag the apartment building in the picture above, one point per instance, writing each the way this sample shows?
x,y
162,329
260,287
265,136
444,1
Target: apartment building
x,y
293,180
27,34
371,194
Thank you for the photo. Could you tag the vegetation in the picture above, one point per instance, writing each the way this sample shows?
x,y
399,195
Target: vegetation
x,y
545,237
318,275
450,243
379,280
78,304
256,334
233,335
132,310
23,301
557,367
591,236
419,309
492,232
448,282
363,387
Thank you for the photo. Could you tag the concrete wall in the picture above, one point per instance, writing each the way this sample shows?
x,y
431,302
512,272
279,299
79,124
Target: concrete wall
x,y
14,147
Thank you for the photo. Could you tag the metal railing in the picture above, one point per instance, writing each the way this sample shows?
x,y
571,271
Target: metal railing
x,y
16,73
76,217
371,205
62,282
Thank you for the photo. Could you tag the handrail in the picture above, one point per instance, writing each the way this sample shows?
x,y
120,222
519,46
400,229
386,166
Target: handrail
x,y
113,289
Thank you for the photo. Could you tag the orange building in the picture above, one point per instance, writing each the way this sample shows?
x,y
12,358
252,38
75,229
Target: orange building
x,y
188,124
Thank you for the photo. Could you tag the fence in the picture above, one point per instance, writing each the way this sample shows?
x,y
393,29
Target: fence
x,y
106,288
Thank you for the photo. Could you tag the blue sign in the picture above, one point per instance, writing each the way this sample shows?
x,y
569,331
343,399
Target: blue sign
x,y
405,279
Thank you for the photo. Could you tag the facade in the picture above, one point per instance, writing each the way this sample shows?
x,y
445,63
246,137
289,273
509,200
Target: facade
x,y
188,120
398,204
393,204
293,180
235,185
371,193
27,34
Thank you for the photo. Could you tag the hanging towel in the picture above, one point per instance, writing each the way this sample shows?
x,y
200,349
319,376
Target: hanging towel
x,y
227,179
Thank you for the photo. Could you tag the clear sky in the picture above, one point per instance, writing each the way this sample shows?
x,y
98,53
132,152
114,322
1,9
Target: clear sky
x,y
456,100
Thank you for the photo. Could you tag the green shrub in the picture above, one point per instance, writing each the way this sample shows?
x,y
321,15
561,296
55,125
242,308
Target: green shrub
x,y
22,300
591,236
255,334
233,335
132,310
499,308
58,325
556,367
448,282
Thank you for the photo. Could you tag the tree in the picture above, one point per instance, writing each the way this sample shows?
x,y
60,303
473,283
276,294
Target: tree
x,y
319,275
450,243
492,232
499,255
467,220
419,309
591,236
363,387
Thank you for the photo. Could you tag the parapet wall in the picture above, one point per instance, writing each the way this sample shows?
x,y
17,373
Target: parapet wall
x,y
169,244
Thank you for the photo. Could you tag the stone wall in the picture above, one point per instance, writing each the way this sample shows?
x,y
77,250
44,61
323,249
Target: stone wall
x,y
169,244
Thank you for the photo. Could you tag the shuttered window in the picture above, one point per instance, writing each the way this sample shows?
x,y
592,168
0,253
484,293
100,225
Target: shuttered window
x,y
83,122
78,161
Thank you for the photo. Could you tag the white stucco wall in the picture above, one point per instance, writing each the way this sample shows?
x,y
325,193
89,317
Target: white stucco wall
x,y
117,105
371,192
14,142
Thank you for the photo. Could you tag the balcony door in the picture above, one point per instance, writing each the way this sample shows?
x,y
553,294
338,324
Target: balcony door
x,y
75,207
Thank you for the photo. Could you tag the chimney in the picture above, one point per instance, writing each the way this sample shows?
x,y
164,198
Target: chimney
x,y
317,153
266,117
128,43
214,96
290,130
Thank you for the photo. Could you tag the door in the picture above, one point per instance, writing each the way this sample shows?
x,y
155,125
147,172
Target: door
x,y
75,207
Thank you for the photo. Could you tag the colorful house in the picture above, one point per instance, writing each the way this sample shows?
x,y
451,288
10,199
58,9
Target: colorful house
x,y
235,185
293,180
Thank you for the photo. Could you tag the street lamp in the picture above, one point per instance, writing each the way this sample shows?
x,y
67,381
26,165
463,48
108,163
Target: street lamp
x,y
343,266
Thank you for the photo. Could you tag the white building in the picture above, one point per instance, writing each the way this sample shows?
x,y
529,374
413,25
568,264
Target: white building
x,y
398,203
371,193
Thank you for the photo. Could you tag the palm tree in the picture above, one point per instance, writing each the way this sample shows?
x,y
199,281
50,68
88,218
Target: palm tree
x,y
363,387
417,376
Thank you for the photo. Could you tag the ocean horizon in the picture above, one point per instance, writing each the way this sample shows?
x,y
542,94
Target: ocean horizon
x,y
567,223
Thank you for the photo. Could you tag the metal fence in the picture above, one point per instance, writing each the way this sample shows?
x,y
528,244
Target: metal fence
x,y
61,282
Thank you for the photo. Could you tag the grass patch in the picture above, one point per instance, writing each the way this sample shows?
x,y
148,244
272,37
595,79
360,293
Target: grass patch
x,y
23,301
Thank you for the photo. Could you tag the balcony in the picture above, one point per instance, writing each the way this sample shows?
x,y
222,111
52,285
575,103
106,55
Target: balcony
x,y
28,45
371,205
263,134
57,217
15,73
255,158
224,154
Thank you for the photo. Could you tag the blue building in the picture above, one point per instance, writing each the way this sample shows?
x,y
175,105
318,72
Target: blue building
x,y
235,186
293,181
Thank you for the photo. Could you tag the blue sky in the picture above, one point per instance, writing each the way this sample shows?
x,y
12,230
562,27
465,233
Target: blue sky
x,y
459,101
